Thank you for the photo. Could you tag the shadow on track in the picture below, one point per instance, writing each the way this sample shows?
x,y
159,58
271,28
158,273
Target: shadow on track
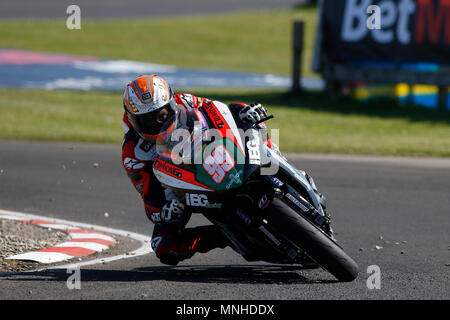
x,y
248,274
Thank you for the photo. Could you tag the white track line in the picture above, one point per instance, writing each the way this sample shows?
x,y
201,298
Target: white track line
x,y
144,249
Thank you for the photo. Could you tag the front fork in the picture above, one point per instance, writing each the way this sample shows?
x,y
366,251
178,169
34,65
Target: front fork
x,y
257,201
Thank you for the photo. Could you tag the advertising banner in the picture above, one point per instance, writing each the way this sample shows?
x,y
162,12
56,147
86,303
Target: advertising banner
x,y
386,31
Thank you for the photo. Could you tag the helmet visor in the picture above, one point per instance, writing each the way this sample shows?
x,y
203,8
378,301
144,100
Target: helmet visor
x,y
152,122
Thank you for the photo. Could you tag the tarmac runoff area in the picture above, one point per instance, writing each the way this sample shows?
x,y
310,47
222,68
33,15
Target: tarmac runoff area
x,y
390,212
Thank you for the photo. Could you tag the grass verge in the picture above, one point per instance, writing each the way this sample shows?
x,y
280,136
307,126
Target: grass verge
x,y
307,124
246,41
257,41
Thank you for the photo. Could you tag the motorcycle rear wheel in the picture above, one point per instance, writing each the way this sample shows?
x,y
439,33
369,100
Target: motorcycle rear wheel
x,y
317,245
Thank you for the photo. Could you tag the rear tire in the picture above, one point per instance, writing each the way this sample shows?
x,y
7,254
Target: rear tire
x,y
317,245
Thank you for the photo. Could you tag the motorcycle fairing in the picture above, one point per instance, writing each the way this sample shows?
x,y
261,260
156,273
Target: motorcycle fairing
x,y
176,177
224,122
223,168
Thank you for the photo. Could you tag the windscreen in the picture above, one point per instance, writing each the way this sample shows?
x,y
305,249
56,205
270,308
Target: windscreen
x,y
182,136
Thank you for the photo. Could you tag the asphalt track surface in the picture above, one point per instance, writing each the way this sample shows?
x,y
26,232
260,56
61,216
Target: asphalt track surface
x,y
406,201
133,8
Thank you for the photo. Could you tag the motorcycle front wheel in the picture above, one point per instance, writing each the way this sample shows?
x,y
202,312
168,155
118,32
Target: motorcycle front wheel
x,y
317,245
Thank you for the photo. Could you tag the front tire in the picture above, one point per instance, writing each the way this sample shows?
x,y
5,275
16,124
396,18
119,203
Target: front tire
x,y
317,245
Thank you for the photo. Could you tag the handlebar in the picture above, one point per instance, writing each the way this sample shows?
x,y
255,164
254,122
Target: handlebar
x,y
265,119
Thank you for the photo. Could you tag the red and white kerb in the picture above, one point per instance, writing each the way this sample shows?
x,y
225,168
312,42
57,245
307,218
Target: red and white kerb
x,y
81,242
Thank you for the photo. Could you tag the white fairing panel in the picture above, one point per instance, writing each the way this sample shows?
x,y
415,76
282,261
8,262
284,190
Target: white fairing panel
x,y
297,174
226,113
172,182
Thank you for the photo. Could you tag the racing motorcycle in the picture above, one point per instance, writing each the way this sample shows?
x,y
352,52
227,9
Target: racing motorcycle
x,y
220,166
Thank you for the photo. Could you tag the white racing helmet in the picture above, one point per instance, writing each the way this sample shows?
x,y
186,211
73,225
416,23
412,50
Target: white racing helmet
x,y
149,102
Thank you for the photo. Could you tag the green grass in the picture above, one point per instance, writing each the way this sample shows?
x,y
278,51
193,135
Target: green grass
x,y
60,116
249,41
307,124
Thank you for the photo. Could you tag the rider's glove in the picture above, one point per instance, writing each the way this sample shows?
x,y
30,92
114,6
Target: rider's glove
x,y
253,113
172,212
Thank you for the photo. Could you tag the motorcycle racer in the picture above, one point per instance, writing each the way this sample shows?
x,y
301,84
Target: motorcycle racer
x,y
149,102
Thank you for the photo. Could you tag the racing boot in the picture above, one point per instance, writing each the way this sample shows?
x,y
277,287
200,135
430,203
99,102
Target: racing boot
x,y
172,245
